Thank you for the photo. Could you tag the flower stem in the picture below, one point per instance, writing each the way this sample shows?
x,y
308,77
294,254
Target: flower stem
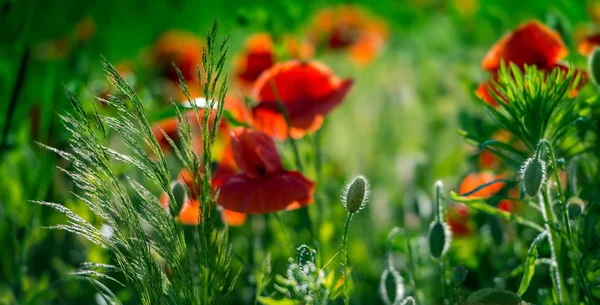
x,y
554,242
345,258
444,289
567,223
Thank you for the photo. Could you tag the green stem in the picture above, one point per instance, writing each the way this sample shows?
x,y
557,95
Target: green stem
x,y
411,265
298,159
444,289
345,258
567,223
554,242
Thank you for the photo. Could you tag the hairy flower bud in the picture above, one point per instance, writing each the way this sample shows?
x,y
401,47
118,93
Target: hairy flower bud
x,y
533,175
439,240
356,194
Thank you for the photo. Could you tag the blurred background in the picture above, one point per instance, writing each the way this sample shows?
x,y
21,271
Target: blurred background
x,y
398,126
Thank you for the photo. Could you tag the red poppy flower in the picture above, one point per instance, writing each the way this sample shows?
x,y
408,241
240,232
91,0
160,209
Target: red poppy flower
x,y
308,91
510,204
475,180
263,185
531,43
347,27
459,220
182,48
257,57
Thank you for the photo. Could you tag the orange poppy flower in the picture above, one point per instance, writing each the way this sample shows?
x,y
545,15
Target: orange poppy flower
x,y
459,220
531,43
257,57
263,185
189,213
182,48
298,49
588,44
347,27
308,91
475,180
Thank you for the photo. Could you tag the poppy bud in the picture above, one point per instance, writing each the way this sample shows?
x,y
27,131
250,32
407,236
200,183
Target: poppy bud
x,y
180,193
440,237
459,275
533,175
594,66
356,194
575,207
305,255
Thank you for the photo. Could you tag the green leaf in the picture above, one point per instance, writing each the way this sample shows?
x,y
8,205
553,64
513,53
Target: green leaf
x,y
530,263
480,205
270,301
493,296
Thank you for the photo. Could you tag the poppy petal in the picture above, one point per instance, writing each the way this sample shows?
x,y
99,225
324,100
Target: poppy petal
x,y
475,180
308,91
190,213
531,43
588,44
288,190
255,152
233,218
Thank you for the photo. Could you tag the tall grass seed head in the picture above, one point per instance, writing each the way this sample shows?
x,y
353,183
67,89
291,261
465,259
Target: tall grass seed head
x,y
533,175
356,194
440,237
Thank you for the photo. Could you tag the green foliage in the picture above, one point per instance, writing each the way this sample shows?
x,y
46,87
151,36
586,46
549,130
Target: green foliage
x,y
196,273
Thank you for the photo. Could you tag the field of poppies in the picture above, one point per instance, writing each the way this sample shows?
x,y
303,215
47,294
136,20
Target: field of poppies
x,y
430,152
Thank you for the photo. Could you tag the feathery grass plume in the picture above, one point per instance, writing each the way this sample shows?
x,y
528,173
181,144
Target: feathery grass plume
x,y
355,196
199,273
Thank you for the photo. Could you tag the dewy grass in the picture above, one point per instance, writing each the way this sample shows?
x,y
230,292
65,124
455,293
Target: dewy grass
x,y
198,272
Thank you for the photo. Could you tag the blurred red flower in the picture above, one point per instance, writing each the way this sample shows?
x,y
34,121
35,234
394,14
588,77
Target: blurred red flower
x,y
531,43
475,180
510,204
347,27
459,220
307,90
257,57
233,105
182,48
263,185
